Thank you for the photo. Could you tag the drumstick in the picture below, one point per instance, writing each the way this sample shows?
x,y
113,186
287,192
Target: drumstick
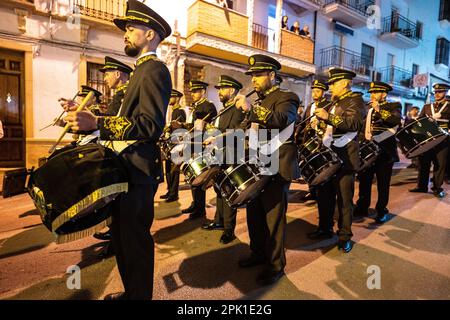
x,y
192,129
67,127
60,116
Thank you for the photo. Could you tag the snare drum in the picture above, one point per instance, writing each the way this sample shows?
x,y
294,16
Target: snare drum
x,y
241,183
420,136
368,154
318,163
72,188
200,169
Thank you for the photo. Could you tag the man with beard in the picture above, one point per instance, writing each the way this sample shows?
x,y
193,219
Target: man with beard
x,y
174,113
382,122
139,123
203,111
229,117
344,121
440,111
266,214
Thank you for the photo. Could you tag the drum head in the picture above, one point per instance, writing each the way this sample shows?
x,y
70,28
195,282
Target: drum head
x,y
425,146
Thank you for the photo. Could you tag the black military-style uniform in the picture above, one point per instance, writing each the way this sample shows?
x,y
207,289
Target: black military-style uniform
x,y
437,155
388,117
347,117
114,106
141,118
266,214
302,134
172,169
230,118
205,110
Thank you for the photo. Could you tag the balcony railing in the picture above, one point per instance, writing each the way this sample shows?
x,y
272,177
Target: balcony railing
x,y
260,38
101,9
398,23
355,5
340,57
396,76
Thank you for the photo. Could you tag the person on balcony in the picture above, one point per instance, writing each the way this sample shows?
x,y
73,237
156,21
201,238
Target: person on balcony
x,y
296,28
284,23
305,31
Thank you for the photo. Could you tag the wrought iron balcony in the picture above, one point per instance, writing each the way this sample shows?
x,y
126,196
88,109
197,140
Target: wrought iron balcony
x,y
101,9
351,12
340,57
396,76
400,31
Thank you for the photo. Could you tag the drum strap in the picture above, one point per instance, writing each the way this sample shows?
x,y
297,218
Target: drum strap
x,y
437,115
117,146
275,143
379,137
339,142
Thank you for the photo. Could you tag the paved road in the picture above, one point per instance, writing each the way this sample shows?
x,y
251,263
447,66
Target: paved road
x,y
412,252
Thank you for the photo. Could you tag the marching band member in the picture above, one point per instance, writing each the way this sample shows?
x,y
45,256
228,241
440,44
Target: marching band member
x,y
266,214
382,122
440,111
202,109
140,123
174,113
344,121
229,117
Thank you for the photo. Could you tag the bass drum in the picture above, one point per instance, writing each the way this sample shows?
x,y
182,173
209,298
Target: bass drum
x,y
368,154
73,187
318,163
241,183
420,136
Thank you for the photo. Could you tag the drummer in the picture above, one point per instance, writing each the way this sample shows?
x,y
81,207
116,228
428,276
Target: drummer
x,y
203,111
174,113
440,111
382,122
317,128
266,214
344,122
230,117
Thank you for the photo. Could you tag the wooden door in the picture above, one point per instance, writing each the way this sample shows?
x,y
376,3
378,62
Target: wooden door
x,y
12,145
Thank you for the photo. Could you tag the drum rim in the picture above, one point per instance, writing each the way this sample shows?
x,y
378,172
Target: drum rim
x,y
408,152
415,122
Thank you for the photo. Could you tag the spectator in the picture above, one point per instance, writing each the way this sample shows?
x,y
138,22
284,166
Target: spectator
x,y
412,115
222,3
305,31
284,23
1,130
296,27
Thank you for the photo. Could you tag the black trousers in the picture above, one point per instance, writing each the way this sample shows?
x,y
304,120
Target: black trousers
x,y
199,200
437,156
133,214
338,190
172,178
383,170
225,215
266,220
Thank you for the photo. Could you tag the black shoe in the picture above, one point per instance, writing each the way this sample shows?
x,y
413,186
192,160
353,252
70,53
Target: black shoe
x,y
104,236
227,237
320,234
164,196
268,278
188,210
212,226
345,245
115,296
439,193
382,218
171,199
418,190
251,262
196,215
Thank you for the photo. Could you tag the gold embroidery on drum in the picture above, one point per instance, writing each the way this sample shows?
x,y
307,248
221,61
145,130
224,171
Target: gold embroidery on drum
x,y
118,127
39,200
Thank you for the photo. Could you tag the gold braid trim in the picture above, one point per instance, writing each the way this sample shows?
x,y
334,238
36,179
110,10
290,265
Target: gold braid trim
x,y
88,201
117,126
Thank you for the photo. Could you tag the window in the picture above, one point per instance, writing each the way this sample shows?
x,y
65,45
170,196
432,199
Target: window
x,y
444,10
419,29
442,51
95,80
415,69
367,54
